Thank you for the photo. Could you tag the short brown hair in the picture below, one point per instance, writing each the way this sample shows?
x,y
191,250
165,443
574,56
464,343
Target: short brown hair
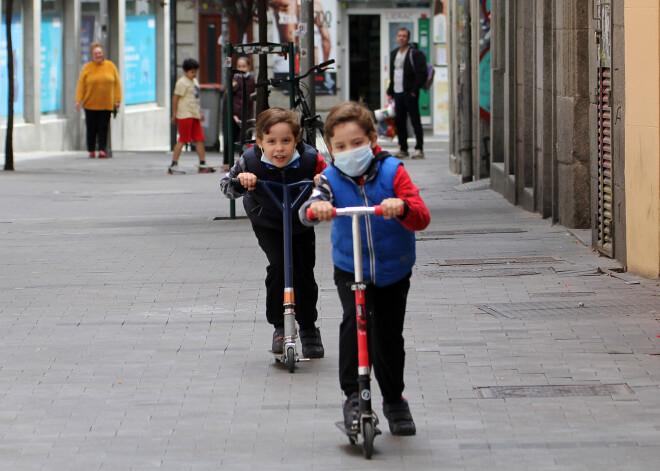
x,y
349,111
272,116
94,46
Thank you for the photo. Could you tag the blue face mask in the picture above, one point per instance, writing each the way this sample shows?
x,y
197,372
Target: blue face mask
x,y
354,162
296,156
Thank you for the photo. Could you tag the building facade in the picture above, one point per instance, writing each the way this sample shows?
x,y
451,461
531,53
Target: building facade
x,y
149,39
642,136
51,41
556,139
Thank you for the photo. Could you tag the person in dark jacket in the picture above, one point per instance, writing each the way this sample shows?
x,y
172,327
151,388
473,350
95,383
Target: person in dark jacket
x,y
280,156
407,76
362,174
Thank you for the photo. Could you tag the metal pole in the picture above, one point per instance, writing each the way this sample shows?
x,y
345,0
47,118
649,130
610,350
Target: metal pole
x,y
292,74
173,70
229,93
465,106
262,10
307,60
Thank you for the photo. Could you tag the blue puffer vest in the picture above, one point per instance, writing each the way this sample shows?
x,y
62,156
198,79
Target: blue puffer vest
x,y
259,207
388,248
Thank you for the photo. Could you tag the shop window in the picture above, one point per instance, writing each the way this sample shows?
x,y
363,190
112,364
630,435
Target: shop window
x,y
140,55
90,26
51,55
18,53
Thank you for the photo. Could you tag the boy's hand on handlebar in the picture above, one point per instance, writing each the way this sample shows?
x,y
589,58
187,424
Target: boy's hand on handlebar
x,y
392,207
323,210
248,180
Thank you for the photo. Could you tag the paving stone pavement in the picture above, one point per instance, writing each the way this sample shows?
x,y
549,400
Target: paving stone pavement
x,y
133,334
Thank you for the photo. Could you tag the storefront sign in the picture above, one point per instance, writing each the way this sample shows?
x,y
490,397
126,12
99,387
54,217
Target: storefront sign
x,y
17,46
140,59
51,63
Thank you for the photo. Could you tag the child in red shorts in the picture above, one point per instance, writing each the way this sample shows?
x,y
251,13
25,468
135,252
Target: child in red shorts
x,y
187,114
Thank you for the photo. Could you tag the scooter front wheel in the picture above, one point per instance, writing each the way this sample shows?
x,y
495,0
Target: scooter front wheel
x,y
368,438
291,358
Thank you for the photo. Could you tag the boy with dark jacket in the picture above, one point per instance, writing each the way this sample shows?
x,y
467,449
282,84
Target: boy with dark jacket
x,y
279,154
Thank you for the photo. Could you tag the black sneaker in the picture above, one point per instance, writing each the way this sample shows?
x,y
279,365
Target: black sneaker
x,y
278,340
312,346
398,415
352,413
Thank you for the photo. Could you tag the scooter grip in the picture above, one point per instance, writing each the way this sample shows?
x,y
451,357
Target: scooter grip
x,y
310,213
378,211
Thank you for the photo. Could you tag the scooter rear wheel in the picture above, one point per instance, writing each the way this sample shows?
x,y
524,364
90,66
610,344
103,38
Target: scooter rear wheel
x,y
290,359
368,438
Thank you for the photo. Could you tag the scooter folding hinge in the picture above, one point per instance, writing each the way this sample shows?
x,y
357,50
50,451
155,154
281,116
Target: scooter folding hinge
x,y
358,286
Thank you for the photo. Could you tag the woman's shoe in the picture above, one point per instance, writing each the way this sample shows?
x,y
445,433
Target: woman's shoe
x,y
92,155
102,155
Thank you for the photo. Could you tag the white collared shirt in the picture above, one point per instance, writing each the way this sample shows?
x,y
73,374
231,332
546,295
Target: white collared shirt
x,y
398,70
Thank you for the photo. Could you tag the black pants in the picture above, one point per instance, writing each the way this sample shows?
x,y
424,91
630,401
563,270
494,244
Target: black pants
x,y
97,122
386,310
407,105
305,289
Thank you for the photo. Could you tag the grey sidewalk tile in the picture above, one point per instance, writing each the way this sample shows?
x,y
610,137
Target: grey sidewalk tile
x,y
137,338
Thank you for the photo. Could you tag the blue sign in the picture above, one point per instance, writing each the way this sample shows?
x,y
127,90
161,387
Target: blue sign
x,y
17,43
140,59
51,63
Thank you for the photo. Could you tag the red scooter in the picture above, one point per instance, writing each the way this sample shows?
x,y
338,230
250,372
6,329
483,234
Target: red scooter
x,y
368,420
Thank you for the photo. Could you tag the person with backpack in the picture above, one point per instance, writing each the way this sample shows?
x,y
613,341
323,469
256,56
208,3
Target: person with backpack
x,y
408,74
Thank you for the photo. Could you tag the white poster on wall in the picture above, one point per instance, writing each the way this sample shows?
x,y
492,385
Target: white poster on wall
x,y
286,15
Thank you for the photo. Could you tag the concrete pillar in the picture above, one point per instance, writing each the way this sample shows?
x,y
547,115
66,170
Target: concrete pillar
x,y
573,144
545,117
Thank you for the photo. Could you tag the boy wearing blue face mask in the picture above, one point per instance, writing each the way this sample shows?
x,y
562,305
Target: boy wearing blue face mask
x,y
362,174
279,154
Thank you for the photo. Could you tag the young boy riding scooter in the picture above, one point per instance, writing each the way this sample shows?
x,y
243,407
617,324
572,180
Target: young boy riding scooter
x,y
279,151
362,174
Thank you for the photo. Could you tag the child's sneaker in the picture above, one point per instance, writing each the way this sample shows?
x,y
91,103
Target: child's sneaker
x,y
312,346
352,413
398,415
278,340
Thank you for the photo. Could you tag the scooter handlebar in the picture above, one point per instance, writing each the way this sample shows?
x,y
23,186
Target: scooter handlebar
x,y
359,210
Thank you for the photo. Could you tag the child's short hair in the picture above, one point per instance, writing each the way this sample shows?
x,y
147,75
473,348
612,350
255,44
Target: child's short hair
x,y
350,111
273,116
245,58
190,64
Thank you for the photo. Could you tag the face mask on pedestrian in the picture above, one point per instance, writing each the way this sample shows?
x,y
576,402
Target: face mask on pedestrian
x,y
354,162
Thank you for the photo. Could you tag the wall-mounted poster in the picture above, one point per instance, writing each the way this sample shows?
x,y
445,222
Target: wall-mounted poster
x,y
17,46
140,59
87,25
51,63
286,16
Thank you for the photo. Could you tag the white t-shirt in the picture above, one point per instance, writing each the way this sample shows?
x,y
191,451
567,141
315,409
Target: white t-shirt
x,y
189,103
398,70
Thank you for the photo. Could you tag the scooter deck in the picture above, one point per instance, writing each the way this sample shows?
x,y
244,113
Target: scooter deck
x,y
281,357
353,435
